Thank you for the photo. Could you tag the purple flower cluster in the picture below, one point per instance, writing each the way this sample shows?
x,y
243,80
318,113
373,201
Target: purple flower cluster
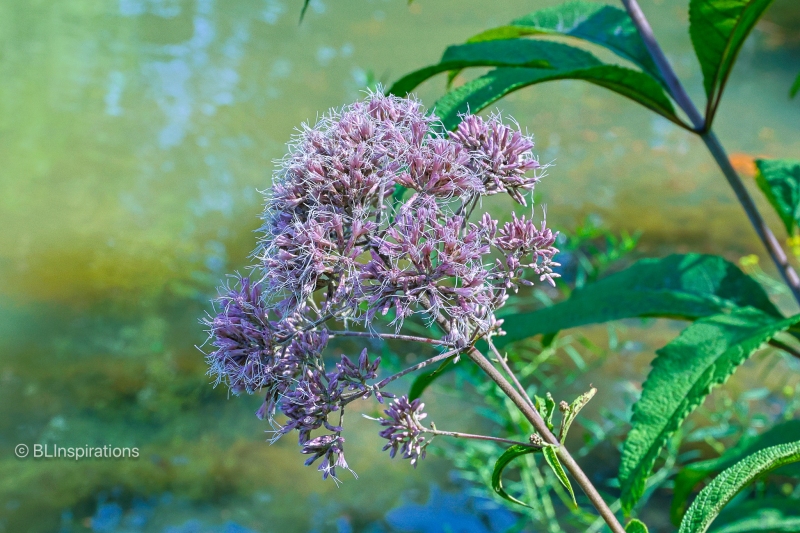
x,y
404,429
369,216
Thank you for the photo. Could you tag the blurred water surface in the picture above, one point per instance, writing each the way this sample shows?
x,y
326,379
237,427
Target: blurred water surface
x,y
134,138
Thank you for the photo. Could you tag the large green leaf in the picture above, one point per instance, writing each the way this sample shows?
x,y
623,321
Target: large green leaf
x,y
690,475
484,91
704,355
497,474
767,515
780,181
719,492
678,286
504,53
718,29
601,24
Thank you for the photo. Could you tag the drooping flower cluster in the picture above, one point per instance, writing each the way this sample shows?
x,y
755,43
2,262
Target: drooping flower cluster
x,y
370,214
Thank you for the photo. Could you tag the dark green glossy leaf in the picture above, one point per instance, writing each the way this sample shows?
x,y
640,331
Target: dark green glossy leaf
x,y
779,179
704,355
505,53
422,381
692,474
497,474
678,286
636,526
551,456
718,29
484,91
605,25
725,486
767,515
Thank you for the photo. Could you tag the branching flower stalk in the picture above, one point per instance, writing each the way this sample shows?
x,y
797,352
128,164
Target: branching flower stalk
x,y
370,218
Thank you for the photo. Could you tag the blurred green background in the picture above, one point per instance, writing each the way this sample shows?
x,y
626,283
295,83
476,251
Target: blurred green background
x,y
135,136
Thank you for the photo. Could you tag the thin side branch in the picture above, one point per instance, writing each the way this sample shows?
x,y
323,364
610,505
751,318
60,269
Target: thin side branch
x,y
395,336
458,435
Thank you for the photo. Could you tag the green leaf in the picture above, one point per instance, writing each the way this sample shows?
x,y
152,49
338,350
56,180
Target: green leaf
x,y
795,87
484,91
767,515
678,286
605,25
546,407
718,29
422,381
497,474
636,526
572,413
704,355
779,179
692,474
551,456
506,53
725,486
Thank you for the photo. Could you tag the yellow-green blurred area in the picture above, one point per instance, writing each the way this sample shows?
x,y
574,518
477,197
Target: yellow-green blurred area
x,y
135,136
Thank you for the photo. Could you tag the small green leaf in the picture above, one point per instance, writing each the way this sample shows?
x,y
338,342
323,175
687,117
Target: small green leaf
x,y
484,91
677,286
692,474
636,526
718,29
497,474
422,381
779,179
572,412
551,456
767,515
725,486
684,372
546,407
795,87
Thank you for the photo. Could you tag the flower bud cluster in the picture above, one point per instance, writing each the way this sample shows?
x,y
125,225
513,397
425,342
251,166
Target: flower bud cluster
x,y
369,216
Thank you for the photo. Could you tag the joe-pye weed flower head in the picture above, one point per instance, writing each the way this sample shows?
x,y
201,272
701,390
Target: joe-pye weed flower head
x,y
371,215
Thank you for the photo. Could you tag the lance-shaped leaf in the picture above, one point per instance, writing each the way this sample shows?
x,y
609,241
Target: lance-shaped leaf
x,y
551,456
725,486
692,474
601,24
571,413
484,91
779,179
718,29
678,286
506,53
422,381
497,474
766,515
704,355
